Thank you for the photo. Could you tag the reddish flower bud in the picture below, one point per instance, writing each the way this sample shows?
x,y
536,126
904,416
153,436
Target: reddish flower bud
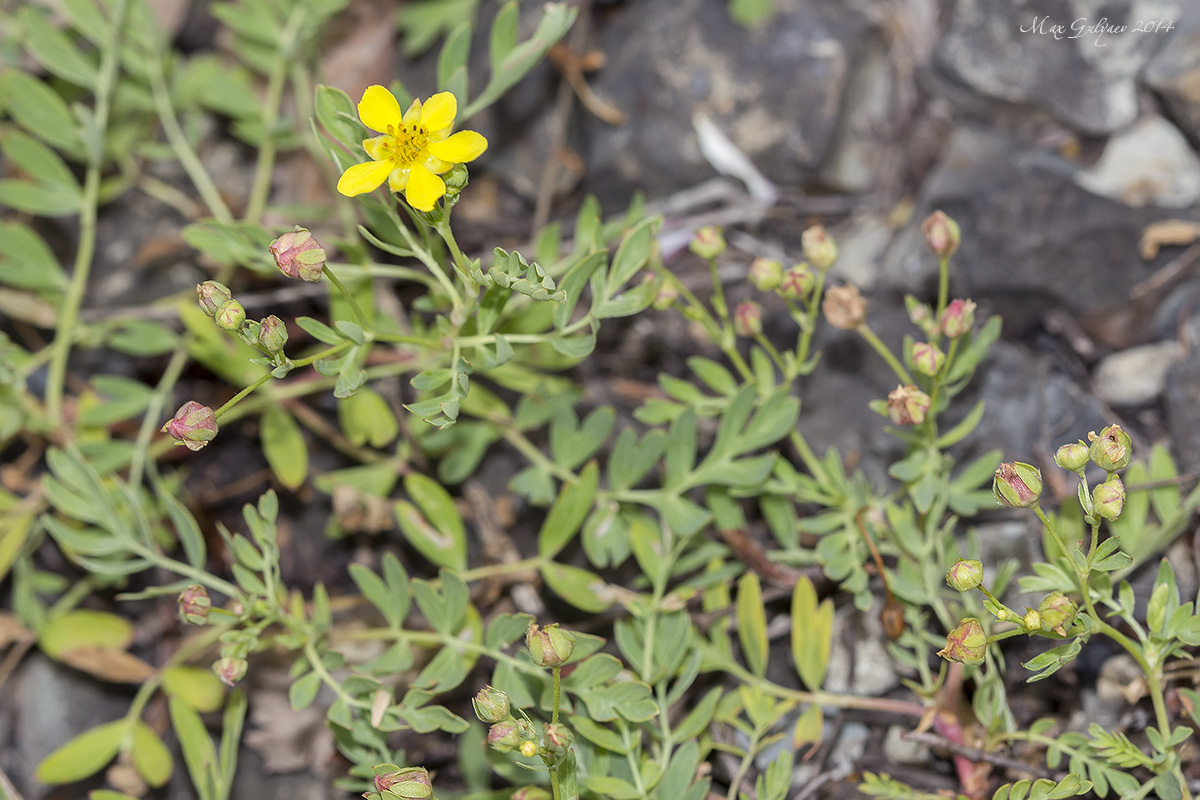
x,y
797,282
708,242
230,670
558,739
966,644
193,426
230,316
491,705
958,318
747,319
907,405
765,274
550,646
941,233
530,793
194,604
272,335
1112,449
965,575
412,783
212,296
927,358
1108,499
503,737
1017,485
668,293
844,307
1057,612
819,248
298,255
1072,456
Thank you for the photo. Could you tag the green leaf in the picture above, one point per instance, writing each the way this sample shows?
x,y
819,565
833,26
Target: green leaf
x,y
568,512
55,51
585,590
752,623
283,445
433,526
196,686
320,331
699,718
392,598
151,758
751,13
503,39
303,690
452,61
40,110
446,610
631,460
82,756
681,448
27,262
632,255
143,337
367,418
84,628
812,634
598,735
198,751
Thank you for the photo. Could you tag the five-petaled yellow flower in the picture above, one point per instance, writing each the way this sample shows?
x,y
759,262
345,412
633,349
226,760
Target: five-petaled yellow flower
x,y
415,149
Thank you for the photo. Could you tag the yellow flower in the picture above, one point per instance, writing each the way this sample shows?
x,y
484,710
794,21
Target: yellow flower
x,y
416,147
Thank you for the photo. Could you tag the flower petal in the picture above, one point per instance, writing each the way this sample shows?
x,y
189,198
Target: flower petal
x,y
413,115
424,188
375,147
378,109
436,165
460,148
398,179
362,178
439,112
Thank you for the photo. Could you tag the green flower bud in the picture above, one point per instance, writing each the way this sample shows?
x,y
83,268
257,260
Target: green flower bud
x,y
1111,450
1108,499
212,296
1032,620
456,179
550,646
927,358
1057,612
230,316
299,255
503,737
272,335
819,248
965,575
747,319
230,670
1017,485
193,426
958,319
708,242
412,783
668,293
941,233
765,274
966,644
1072,456
921,315
797,282
558,739
491,705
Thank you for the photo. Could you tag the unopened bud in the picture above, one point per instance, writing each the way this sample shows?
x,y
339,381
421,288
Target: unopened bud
x,y
412,783
708,242
503,737
529,748
907,405
965,575
212,296
958,318
230,316
765,274
558,738
797,283
1032,620
747,319
550,646
1072,456
1112,449
1017,485
1057,612
844,307
194,604
966,644
668,293
531,793
456,179
298,255
921,315
819,248
1108,499
491,705
272,335
941,233
193,426
230,670
927,358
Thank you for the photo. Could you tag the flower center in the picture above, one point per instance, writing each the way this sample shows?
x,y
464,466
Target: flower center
x,y
407,143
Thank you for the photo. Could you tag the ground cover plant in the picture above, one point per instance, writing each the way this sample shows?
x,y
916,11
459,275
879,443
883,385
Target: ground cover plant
x,y
666,546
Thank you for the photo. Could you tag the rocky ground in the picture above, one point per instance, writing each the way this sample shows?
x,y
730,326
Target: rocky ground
x,y
1071,162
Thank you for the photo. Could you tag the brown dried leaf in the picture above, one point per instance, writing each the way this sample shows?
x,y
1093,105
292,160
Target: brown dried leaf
x,y
117,666
11,630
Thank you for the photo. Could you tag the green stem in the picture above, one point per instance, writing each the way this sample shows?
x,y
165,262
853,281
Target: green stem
x,y
461,262
556,676
303,362
879,347
943,285
718,292
341,287
423,255
68,317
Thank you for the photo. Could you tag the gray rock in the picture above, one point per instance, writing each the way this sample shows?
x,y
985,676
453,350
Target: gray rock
x,y
899,750
854,163
1175,74
1183,412
1085,79
1137,375
1148,164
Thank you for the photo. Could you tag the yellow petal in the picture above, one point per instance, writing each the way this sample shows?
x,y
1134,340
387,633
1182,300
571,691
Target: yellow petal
x,y
363,178
378,109
436,165
424,188
398,179
460,148
439,112
374,147
413,115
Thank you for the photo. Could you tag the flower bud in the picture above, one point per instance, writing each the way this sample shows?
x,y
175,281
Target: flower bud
x,y
456,179
272,335
230,316
550,646
965,575
844,307
708,242
927,358
958,318
194,604
941,233
797,283
531,793
819,248
1057,612
411,783
1072,456
1017,485
193,426
1108,499
668,293
907,405
298,255
921,315
491,705
212,296
747,319
529,748
1111,450
503,737
558,739
1032,620
765,274
230,670
966,644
